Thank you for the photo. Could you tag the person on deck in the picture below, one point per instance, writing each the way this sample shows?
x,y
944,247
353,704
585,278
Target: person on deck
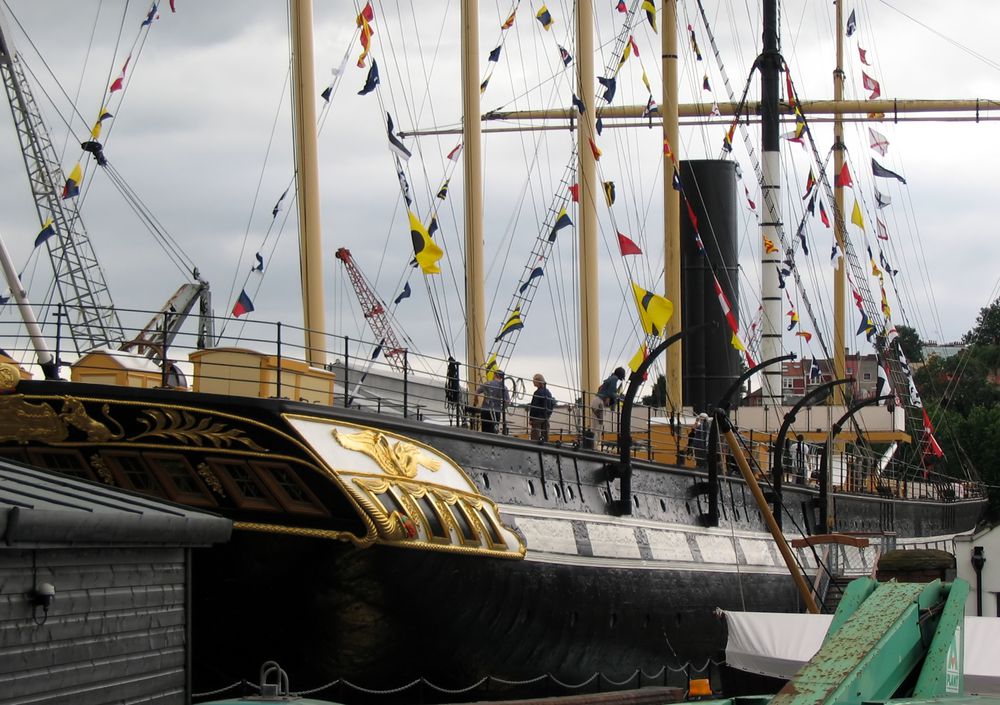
x,y
606,398
494,401
698,440
802,451
542,405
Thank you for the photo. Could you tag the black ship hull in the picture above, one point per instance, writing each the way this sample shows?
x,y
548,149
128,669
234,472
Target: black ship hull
x,y
468,556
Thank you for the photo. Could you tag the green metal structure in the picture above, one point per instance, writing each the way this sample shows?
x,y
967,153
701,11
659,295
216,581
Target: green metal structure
x,y
888,642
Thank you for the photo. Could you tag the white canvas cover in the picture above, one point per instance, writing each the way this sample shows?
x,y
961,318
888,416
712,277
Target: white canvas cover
x,y
778,644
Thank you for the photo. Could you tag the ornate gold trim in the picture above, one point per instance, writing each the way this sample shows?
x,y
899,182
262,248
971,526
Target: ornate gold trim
x,y
389,527
9,377
367,541
183,425
359,541
211,479
400,460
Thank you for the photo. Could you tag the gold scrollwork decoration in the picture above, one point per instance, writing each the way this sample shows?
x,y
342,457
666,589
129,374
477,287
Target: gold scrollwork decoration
x,y
185,426
97,462
211,479
400,459
9,376
392,526
25,421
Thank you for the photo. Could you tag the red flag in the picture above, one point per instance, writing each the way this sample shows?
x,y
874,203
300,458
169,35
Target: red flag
x,y
621,6
871,84
788,88
594,149
864,57
844,177
667,152
810,184
119,82
574,192
933,449
822,215
635,47
456,152
364,22
627,246
692,216
753,206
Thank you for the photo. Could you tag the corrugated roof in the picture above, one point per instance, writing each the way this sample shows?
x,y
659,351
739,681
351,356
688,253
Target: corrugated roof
x,y
38,507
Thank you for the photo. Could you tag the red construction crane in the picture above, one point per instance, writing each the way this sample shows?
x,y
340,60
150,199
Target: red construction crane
x,y
374,311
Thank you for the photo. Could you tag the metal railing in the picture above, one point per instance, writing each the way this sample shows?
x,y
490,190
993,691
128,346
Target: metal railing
x,y
267,359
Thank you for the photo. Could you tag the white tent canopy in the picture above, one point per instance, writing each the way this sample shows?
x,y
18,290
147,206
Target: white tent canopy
x,y
778,644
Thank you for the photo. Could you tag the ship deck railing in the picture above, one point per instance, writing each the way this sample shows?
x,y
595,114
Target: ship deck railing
x,y
415,386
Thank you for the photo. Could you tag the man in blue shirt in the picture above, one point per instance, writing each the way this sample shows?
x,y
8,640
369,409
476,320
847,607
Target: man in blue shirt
x,y
494,401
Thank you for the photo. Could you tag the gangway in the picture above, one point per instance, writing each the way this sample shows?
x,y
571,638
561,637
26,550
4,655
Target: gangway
x,y
888,642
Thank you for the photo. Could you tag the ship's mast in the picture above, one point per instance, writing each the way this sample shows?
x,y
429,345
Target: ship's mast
x,y
769,65
587,227
307,181
840,273
671,203
475,314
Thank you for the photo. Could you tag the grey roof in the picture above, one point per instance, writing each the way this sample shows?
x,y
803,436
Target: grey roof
x,y
42,508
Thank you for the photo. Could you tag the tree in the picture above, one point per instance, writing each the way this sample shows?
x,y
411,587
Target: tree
x,y
959,383
659,395
987,328
910,343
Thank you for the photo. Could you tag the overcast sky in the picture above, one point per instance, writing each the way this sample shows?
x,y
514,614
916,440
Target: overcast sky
x,y
201,134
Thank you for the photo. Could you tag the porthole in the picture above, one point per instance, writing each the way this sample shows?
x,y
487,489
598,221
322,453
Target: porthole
x,y
569,491
663,505
557,490
486,481
614,619
531,487
635,500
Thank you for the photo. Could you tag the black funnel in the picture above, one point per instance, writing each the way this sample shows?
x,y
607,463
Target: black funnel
x,y
711,363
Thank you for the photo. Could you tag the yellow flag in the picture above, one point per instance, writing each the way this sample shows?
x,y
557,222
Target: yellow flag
x,y
654,310
425,249
737,343
856,216
637,359
491,367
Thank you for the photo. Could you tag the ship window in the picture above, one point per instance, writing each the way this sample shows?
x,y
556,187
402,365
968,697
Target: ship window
x,y
288,489
68,462
464,526
490,527
133,474
243,485
431,514
391,503
178,479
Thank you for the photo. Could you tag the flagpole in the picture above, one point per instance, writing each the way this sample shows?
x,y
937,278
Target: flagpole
x,y
771,335
475,314
587,164
307,178
671,204
840,272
